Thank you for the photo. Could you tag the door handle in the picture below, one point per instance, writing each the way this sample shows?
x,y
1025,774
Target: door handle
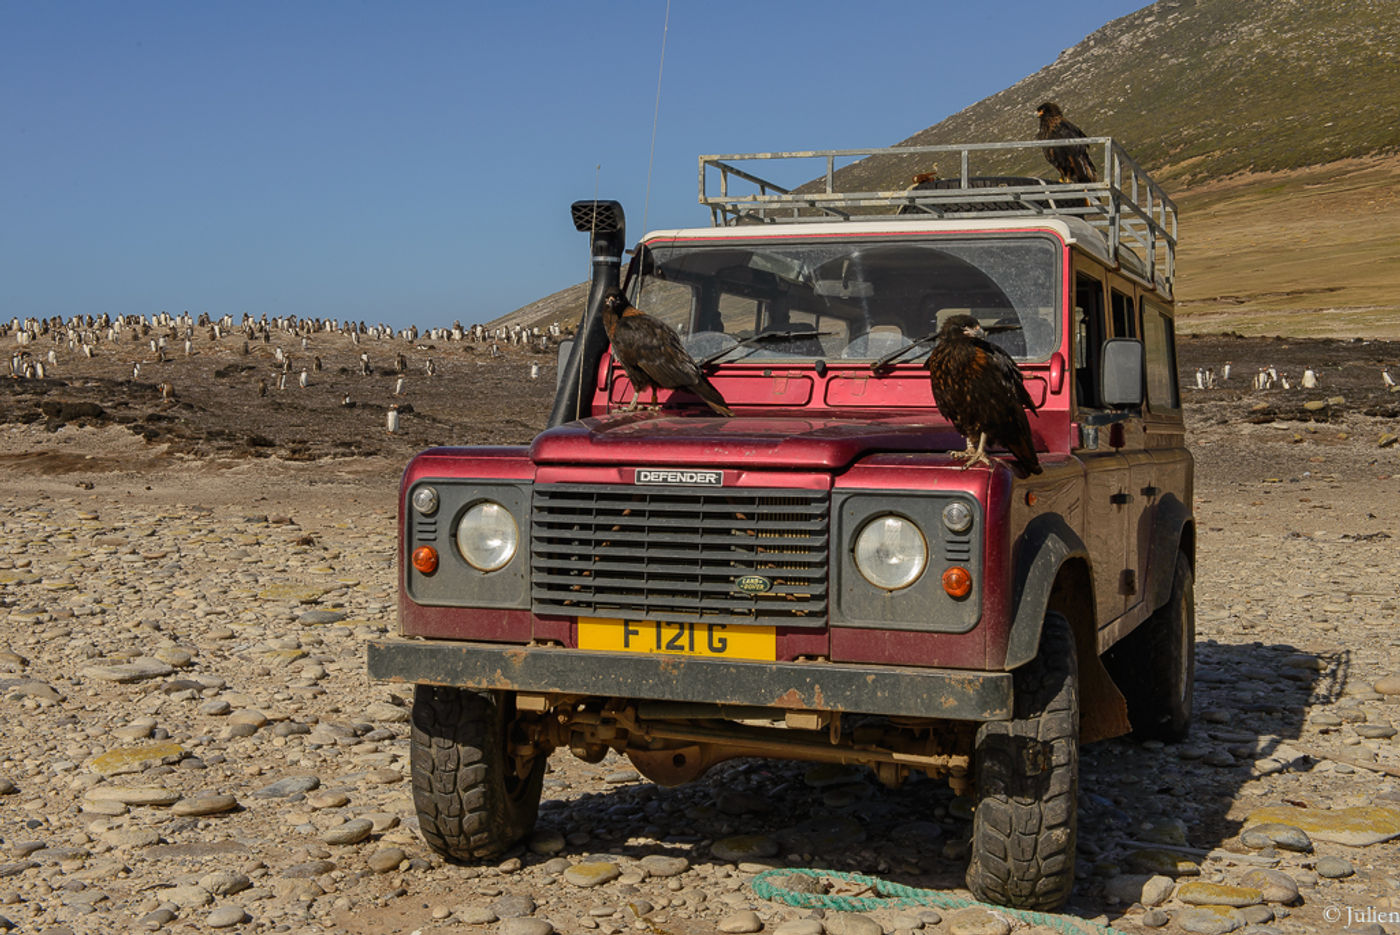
x,y
1120,498
1149,491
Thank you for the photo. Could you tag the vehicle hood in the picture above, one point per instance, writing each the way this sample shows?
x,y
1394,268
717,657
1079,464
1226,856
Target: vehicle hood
x,y
707,441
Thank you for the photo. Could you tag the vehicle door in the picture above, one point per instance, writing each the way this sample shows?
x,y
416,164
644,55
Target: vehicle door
x,y
1099,447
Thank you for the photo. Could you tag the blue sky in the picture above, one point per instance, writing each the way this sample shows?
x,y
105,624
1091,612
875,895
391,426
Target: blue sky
x,y
414,162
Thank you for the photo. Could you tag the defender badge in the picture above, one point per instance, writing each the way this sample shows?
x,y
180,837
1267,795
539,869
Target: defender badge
x,y
753,584
692,478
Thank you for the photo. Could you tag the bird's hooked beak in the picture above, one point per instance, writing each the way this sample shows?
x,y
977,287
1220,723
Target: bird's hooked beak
x,y
975,331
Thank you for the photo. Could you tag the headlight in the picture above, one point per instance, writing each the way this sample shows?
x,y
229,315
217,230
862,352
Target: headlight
x,y
957,517
425,500
487,536
890,552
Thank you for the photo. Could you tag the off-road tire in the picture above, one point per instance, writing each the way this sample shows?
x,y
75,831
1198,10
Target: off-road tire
x,y
1026,772
1155,665
471,804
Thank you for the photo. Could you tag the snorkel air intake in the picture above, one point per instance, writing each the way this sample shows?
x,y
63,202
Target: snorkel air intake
x,y
604,222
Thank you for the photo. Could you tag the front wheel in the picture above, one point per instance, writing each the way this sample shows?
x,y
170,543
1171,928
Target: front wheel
x,y
1027,783
474,798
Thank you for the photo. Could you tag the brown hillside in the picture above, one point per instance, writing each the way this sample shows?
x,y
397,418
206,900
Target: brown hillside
x,y
1273,125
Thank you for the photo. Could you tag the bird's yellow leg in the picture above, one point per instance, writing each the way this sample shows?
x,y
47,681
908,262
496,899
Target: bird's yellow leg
x,y
654,403
980,455
966,453
636,394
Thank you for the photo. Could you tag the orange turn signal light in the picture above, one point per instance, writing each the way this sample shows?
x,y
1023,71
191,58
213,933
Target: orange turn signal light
x,y
425,559
957,581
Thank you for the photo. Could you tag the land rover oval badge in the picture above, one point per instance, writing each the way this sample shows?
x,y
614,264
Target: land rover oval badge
x,y
753,584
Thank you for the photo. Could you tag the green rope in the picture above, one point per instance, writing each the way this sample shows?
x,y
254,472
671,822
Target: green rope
x,y
898,896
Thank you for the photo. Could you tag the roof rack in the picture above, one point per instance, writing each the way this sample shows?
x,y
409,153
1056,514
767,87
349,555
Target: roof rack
x,y
1127,207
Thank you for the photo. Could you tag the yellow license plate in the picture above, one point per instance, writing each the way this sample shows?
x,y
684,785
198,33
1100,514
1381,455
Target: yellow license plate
x,y
730,641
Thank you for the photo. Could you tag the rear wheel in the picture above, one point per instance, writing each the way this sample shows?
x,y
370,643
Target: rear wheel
x,y
474,799
1027,778
1155,665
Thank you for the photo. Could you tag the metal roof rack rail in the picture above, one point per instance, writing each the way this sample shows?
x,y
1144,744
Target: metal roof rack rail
x,y
1130,210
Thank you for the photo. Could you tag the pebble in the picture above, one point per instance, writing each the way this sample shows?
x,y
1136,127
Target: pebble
x,y
307,870
1201,893
386,859
321,617
290,786
1275,885
327,800
136,671
474,915
800,927
547,842
136,759
225,917
744,847
661,865
225,882
1157,861
1139,888
974,920
1257,915
513,906
188,896
351,832
592,874
1334,868
1288,837
1375,731
1154,918
205,803
1209,920
143,795
745,920
1355,826
525,927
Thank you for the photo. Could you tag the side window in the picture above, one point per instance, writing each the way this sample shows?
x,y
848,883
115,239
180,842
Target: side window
x,y
1088,339
1124,315
1159,351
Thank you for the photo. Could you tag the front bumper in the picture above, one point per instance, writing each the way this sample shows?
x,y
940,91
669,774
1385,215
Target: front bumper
x,y
904,691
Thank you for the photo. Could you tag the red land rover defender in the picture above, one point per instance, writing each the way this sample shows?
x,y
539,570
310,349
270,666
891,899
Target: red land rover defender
x,y
817,578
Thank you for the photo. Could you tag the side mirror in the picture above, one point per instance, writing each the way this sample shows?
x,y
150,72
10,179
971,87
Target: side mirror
x,y
566,347
1122,373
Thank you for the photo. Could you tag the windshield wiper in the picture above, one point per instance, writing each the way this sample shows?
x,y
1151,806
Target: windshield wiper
x,y
896,354
755,339
930,338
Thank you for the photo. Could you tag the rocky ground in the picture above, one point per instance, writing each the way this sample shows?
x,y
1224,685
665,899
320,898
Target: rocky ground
x,y
192,743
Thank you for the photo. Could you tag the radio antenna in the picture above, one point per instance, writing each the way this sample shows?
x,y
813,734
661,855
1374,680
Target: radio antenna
x,y
656,114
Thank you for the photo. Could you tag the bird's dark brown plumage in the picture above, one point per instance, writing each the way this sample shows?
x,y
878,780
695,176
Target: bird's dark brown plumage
x,y
652,355
979,389
1072,162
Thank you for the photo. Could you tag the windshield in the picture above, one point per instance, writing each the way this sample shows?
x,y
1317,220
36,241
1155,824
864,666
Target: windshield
x,y
849,301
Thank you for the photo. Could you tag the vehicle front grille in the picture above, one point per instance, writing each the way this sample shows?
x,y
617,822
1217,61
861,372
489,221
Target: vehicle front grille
x,y
679,554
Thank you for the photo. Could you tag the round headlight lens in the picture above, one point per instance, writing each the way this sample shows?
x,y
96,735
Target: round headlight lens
x,y
487,536
957,517
425,500
890,552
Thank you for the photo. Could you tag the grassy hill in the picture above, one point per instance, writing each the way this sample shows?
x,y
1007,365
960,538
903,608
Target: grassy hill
x,y
1276,128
